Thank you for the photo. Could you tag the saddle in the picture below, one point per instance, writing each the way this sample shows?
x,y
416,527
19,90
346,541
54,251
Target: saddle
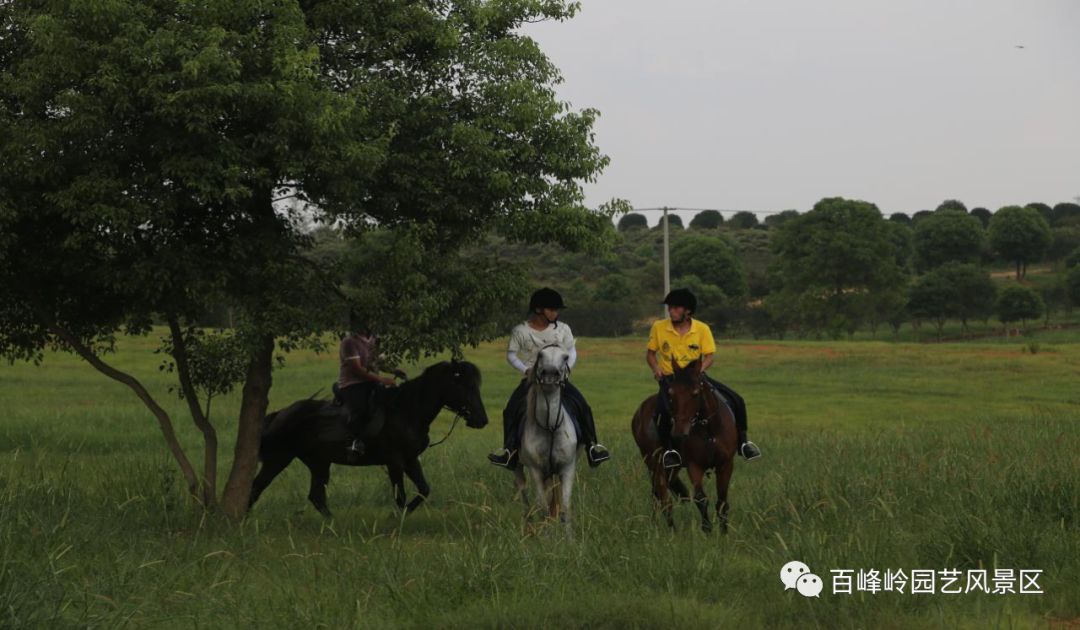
x,y
377,402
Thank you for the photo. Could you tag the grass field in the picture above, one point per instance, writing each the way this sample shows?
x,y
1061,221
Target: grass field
x,y
877,455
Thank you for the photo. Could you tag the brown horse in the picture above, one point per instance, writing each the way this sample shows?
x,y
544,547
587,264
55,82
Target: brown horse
x,y
703,432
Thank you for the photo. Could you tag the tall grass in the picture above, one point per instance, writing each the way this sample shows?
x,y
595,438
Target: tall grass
x,y
877,456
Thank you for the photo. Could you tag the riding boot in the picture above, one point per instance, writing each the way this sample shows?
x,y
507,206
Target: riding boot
x,y
596,452
508,456
671,457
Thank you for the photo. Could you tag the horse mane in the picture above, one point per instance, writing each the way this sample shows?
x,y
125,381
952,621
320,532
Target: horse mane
x,y
397,394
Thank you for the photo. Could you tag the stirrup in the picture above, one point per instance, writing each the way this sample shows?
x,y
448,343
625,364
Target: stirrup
x,y
506,458
671,459
355,450
597,454
749,450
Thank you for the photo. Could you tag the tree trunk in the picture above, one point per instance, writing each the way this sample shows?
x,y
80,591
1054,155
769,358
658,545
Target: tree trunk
x,y
234,501
162,416
1018,276
210,441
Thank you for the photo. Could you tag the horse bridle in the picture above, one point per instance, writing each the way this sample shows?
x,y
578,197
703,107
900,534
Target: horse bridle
x,y
563,377
458,415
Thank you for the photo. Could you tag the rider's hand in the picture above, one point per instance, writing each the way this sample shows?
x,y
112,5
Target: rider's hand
x,y
528,374
658,375
389,382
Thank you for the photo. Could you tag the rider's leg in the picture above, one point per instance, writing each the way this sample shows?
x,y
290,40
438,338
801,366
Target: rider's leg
x,y
747,449
357,400
594,450
670,457
512,415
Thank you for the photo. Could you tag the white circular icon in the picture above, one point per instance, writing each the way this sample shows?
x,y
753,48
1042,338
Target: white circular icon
x,y
791,572
810,585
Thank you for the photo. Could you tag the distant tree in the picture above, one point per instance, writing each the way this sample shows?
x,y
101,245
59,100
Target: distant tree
x,y
633,221
743,220
983,215
826,259
931,298
1073,259
953,291
902,238
614,287
1018,304
712,260
774,221
952,204
1055,297
674,222
1044,210
920,215
1072,285
901,218
1066,214
1019,235
707,219
973,292
947,235
887,306
1063,241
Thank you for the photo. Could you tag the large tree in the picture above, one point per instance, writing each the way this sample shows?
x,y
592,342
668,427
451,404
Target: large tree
x,y
1019,235
712,259
831,258
948,235
161,157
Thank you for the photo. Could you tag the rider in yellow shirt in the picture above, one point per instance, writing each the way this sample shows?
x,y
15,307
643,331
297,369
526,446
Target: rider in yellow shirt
x,y
683,339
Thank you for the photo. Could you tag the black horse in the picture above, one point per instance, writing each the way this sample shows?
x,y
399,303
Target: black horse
x,y
315,432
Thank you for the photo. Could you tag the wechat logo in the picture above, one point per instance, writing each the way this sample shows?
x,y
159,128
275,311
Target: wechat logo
x,y
797,575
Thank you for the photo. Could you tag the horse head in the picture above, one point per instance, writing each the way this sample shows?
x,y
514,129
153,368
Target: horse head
x,y
460,388
688,405
552,366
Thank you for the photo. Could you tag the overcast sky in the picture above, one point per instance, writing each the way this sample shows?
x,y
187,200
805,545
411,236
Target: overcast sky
x,y
773,104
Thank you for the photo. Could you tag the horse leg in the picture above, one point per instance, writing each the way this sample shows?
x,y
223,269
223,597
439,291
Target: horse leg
x,y
415,473
723,479
320,476
701,500
541,490
397,483
521,485
270,468
566,482
660,491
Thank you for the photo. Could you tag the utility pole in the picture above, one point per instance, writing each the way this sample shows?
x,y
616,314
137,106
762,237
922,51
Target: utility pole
x,y
667,263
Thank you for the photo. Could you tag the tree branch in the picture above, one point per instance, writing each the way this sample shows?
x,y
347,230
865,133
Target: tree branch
x,y
202,421
162,416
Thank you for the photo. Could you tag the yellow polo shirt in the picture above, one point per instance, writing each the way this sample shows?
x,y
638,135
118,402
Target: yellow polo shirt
x,y
670,345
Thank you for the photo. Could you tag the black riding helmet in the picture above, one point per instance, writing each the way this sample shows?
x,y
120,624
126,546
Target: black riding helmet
x,y
681,297
546,298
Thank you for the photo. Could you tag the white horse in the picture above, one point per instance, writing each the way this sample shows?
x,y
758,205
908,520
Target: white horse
x,y
549,446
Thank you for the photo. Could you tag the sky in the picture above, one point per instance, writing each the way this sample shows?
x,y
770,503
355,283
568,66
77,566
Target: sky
x,y
766,105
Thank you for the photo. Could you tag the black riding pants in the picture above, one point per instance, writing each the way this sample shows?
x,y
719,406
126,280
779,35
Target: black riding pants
x,y
516,408
358,400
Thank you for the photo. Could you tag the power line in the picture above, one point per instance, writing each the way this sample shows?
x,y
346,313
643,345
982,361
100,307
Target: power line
x,y
721,210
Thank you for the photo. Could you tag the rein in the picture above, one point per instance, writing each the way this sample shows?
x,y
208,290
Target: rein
x,y
551,428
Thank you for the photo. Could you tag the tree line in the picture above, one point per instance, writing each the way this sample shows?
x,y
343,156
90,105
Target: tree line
x,y
836,269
